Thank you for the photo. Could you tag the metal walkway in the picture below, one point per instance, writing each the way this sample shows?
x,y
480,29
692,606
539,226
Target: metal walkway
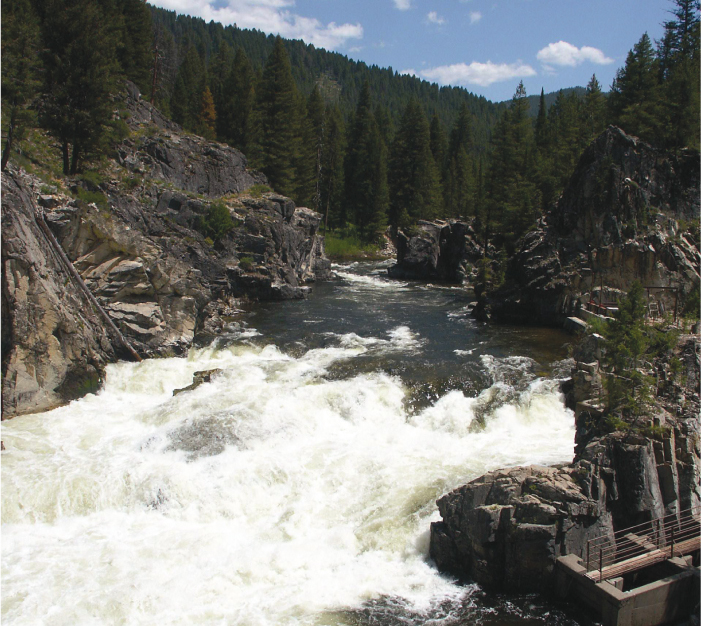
x,y
642,545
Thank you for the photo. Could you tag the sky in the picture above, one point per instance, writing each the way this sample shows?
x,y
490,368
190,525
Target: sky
x,y
486,46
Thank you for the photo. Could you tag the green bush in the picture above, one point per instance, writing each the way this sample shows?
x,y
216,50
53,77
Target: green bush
x,y
89,197
258,190
217,222
246,263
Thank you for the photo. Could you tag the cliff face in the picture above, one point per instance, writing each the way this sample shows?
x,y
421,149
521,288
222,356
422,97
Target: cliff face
x,y
54,346
621,218
506,529
144,251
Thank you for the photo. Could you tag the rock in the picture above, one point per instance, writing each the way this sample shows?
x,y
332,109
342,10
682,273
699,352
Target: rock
x,y
505,529
199,378
144,254
443,251
54,346
601,233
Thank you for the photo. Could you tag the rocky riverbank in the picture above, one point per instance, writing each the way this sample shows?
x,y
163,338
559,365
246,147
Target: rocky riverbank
x,y
506,529
176,229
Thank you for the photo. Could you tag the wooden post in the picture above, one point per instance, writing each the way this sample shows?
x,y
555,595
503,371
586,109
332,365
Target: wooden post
x,y
588,550
671,552
601,562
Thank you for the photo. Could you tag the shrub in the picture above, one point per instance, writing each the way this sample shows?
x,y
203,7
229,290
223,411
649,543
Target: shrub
x,y
258,190
217,221
246,263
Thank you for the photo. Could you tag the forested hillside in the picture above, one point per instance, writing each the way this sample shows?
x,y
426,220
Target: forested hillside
x,y
364,146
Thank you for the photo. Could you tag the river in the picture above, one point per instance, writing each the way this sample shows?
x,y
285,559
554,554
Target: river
x,y
298,486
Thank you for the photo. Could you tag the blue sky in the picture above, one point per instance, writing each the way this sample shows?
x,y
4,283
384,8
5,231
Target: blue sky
x,y
486,46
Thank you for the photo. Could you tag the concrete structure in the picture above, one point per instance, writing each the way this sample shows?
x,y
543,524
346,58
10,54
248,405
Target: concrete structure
x,y
661,594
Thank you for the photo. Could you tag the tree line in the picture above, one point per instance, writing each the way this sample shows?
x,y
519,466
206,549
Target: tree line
x,y
382,155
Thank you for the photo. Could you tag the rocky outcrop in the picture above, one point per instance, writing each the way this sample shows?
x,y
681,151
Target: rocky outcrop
x,y
505,530
54,345
622,217
166,240
440,250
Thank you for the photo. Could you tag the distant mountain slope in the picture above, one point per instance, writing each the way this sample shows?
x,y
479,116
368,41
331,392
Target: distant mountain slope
x,y
336,73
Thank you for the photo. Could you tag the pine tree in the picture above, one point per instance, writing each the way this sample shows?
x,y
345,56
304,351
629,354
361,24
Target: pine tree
x,y
594,121
234,123
367,194
332,178
439,142
20,71
276,121
514,200
413,176
81,70
190,84
459,184
310,155
135,43
635,102
541,123
678,57
206,123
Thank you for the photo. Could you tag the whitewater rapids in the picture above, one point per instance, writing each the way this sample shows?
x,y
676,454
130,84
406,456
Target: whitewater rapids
x,y
275,494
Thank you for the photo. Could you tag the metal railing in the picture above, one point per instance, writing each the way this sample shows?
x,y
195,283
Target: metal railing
x,y
636,547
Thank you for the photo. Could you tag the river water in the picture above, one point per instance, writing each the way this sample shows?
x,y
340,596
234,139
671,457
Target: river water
x,y
299,485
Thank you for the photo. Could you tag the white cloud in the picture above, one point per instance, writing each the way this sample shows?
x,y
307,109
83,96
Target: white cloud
x,y
434,18
475,16
402,5
270,16
482,74
563,53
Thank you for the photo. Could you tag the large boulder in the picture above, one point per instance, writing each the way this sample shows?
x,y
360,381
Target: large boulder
x,y
440,250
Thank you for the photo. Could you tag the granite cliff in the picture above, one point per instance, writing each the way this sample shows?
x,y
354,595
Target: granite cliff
x,y
173,232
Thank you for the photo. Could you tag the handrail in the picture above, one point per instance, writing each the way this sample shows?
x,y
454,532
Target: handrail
x,y
655,540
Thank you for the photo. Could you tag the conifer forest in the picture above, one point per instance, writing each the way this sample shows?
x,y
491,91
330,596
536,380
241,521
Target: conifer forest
x,y
364,146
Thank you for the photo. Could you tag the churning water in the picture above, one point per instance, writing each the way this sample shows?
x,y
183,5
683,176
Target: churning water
x,y
298,486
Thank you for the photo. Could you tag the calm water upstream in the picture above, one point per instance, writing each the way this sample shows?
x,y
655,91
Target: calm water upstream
x,y
299,485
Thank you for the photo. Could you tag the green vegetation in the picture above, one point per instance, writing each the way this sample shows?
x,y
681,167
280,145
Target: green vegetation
x,y
362,145
217,221
348,246
246,263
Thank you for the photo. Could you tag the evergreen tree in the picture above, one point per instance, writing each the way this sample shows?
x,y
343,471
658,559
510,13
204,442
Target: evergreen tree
x,y
458,186
413,177
186,101
81,71
20,71
367,194
439,142
332,178
218,73
276,122
234,123
311,151
678,56
135,43
627,387
541,124
514,200
635,102
594,121
206,123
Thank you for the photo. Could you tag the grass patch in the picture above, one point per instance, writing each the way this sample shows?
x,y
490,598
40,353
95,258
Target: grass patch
x,y
348,247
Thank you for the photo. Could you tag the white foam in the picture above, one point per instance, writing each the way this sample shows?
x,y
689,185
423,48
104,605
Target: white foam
x,y
321,498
